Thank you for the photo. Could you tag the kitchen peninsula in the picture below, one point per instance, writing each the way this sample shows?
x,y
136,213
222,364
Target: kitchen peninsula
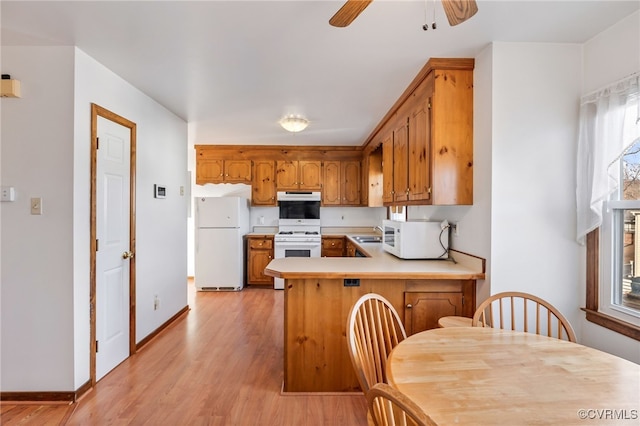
x,y
319,293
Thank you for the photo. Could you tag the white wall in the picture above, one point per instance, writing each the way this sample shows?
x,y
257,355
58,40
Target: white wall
x,y
608,57
45,269
474,222
536,88
36,318
161,224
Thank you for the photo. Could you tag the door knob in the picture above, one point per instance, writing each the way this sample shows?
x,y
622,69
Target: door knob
x,y
409,306
127,255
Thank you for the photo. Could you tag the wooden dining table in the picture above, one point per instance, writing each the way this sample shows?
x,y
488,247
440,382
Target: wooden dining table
x,y
487,376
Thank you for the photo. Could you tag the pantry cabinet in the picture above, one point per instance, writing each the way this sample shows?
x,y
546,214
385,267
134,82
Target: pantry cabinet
x,y
298,175
263,185
341,183
259,254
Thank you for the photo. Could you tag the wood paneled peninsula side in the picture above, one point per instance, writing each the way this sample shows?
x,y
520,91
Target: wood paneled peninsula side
x,y
319,293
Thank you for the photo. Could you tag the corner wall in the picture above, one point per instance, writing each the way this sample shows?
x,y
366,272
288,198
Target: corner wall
x,y
44,287
609,57
36,317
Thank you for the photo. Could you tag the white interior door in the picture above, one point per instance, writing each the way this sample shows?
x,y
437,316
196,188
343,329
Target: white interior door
x,y
112,232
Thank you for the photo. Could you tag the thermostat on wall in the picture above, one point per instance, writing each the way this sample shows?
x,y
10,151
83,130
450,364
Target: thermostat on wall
x,y
159,191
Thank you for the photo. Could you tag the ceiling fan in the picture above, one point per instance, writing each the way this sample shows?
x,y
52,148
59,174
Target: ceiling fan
x,y
457,11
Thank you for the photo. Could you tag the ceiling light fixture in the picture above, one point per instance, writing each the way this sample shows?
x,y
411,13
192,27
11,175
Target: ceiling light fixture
x,y
294,123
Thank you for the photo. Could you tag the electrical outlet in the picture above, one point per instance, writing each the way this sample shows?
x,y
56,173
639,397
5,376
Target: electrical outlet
x,y
456,229
156,303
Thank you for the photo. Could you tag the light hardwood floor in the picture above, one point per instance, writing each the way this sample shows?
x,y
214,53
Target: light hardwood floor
x,y
219,364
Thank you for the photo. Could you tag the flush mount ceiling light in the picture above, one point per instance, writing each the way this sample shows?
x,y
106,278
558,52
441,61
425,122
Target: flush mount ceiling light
x,y
294,123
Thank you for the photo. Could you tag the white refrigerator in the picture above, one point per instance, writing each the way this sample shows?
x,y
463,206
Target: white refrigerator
x,y
220,225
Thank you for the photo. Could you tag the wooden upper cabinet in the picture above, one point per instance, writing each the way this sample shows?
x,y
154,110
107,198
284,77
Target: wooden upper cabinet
x,y
341,183
215,170
400,161
298,175
310,174
237,171
350,182
331,183
432,133
419,143
387,168
452,137
209,171
263,186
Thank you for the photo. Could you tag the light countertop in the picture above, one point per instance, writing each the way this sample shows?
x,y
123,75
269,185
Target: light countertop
x,y
380,264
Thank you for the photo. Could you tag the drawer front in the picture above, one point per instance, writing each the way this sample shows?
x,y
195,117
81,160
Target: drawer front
x,y
261,243
332,243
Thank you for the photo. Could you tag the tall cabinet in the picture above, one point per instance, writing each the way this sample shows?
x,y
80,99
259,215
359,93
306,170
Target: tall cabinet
x,y
427,138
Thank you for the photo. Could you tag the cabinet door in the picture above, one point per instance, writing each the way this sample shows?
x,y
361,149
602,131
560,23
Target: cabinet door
x,y
387,169
263,191
350,250
423,309
419,156
209,171
310,175
452,137
331,183
260,254
400,162
350,186
237,171
286,175
332,247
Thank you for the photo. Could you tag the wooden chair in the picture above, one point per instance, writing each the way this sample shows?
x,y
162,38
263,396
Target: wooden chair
x,y
523,312
390,407
373,330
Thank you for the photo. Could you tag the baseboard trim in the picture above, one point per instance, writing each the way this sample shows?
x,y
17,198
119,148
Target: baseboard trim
x,y
55,397
158,330
71,397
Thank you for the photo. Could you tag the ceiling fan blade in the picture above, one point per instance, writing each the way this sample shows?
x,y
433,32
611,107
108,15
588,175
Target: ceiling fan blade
x,y
458,11
348,12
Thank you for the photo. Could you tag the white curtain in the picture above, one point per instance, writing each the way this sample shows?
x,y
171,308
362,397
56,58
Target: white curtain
x,y
601,144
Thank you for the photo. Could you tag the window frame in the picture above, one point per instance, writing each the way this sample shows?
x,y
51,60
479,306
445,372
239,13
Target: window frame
x,y
592,307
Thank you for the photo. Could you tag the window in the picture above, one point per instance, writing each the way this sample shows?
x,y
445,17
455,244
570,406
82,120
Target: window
x,y
613,248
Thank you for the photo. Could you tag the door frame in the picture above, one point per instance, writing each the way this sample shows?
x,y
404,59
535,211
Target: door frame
x,y
98,111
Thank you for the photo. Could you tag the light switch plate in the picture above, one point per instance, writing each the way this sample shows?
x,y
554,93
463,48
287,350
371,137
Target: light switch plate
x,y
36,206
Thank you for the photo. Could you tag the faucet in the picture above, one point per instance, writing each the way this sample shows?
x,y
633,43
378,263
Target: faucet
x,y
378,228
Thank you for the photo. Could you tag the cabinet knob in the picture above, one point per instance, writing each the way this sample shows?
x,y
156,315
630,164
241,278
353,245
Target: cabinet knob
x,y
409,306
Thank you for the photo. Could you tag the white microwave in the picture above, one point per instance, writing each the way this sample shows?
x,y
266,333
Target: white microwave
x,y
416,239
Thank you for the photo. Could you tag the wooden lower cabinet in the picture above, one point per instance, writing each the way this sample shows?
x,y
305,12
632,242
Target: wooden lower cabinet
x,y
422,310
350,249
259,254
332,247
316,358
